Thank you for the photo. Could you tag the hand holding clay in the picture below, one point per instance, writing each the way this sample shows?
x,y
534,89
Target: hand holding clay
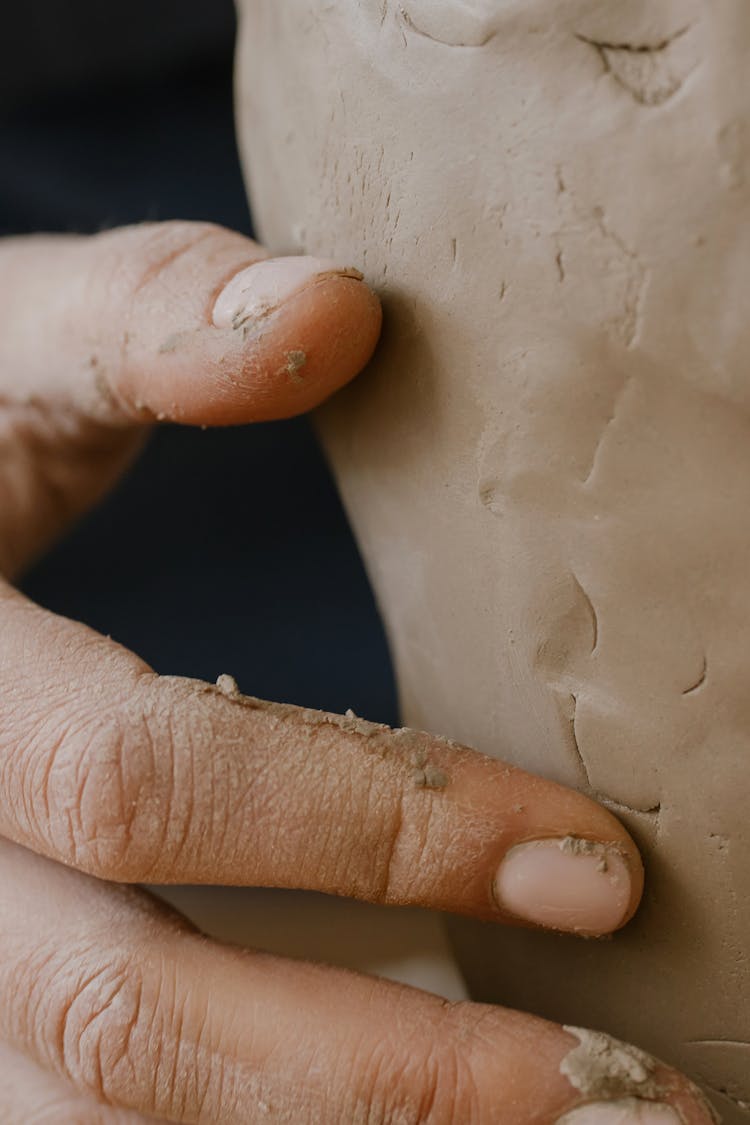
x,y
111,1006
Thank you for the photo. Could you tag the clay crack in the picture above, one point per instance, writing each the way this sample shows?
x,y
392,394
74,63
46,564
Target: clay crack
x,y
576,744
621,807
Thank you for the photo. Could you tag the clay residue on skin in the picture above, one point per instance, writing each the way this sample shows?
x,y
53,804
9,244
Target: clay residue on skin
x,y
574,845
295,361
602,1067
409,745
102,385
430,777
173,342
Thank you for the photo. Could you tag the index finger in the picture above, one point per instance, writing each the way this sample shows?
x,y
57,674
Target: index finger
x,y
134,777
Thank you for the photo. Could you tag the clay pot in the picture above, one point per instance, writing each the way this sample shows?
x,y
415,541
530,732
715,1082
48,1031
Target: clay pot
x,y
548,464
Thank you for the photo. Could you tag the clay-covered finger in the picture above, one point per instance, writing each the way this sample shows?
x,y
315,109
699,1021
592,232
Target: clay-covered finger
x,y
187,322
136,777
112,993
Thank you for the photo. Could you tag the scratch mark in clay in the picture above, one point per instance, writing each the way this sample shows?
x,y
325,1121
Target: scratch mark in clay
x,y
701,679
718,1043
605,429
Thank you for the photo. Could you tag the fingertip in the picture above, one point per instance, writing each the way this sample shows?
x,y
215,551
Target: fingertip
x,y
273,365
568,864
314,344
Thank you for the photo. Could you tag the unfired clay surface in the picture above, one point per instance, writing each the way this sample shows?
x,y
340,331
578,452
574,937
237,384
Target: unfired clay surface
x,y
548,466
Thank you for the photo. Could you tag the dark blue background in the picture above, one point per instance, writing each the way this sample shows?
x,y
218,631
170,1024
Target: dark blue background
x,y
221,551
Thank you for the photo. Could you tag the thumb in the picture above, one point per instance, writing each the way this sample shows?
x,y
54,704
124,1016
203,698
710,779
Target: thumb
x,y
185,322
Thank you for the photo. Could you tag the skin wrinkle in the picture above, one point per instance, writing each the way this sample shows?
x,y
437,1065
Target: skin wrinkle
x,y
90,1027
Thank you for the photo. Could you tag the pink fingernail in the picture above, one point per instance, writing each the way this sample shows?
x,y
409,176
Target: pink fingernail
x,y
261,288
565,884
626,1111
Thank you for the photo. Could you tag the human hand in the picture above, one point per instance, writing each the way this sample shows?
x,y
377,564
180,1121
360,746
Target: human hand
x,y
112,1008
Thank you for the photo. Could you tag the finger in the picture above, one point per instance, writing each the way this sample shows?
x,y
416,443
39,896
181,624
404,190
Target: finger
x,y
139,778
179,321
182,321
112,994
30,1095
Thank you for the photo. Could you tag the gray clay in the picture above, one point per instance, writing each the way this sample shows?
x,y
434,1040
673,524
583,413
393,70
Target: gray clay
x,y
548,465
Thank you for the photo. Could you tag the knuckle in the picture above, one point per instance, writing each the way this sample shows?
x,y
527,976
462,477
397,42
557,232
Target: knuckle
x,y
99,796
120,1032
92,1020
405,857
105,1025
138,255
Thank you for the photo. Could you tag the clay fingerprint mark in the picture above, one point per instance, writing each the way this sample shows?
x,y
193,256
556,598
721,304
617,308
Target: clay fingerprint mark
x,y
652,73
454,37
596,263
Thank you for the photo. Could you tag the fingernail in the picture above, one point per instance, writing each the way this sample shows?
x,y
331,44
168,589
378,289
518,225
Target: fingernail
x,y
261,288
565,884
626,1111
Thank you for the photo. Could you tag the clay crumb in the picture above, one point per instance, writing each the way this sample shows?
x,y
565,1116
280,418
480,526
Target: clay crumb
x,y
430,777
602,1067
419,758
227,685
574,845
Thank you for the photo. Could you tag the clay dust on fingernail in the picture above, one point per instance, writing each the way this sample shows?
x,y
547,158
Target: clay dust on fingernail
x,y
570,884
259,289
